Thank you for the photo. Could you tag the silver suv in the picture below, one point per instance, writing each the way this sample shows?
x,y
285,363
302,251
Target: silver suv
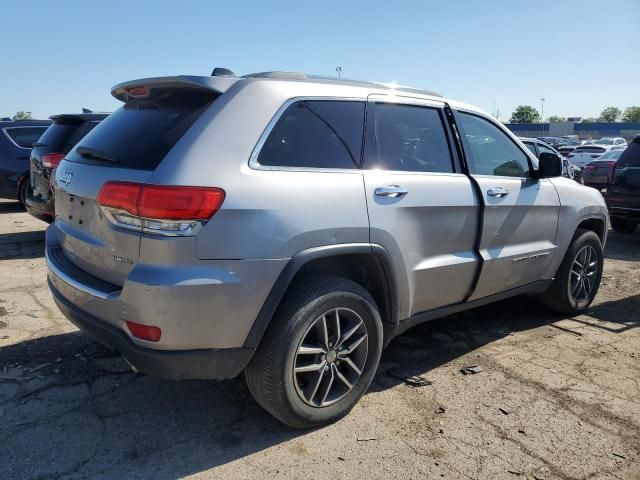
x,y
289,226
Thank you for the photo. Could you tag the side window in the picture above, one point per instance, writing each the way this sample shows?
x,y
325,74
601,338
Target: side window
x,y
489,150
316,134
531,147
410,138
545,149
25,137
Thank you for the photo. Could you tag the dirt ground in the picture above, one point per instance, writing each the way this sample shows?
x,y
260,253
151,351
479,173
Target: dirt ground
x,y
556,397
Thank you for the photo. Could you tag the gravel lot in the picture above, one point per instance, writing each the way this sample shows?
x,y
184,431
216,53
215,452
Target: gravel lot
x,y
556,397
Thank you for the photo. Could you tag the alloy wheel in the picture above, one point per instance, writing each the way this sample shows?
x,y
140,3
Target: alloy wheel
x,y
583,274
331,357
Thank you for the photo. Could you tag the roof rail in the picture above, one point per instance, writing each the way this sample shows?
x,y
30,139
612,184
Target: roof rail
x,y
279,75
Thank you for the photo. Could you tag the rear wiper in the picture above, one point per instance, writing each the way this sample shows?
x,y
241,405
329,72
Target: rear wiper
x,y
87,152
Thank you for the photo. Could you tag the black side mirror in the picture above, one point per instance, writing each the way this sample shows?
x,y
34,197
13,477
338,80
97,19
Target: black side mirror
x,y
550,165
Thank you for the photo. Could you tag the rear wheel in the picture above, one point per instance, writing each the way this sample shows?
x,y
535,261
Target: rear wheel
x,y
578,278
319,354
623,226
22,191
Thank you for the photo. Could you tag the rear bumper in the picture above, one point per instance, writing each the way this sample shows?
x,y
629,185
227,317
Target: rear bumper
x,y
172,364
41,209
631,214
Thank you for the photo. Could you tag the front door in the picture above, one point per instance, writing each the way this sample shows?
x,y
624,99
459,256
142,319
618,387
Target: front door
x,y
520,214
422,208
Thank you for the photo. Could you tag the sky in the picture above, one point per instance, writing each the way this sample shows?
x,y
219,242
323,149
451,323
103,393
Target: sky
x,y
581,56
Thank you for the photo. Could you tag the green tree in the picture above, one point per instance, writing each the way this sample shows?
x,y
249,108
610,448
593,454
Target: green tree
x,y
556,118
525,114
631,114
22,116
611,114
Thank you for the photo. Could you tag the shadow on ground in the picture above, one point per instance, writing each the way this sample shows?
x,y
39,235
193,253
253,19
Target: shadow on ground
x,y
623,246
11,207
22,244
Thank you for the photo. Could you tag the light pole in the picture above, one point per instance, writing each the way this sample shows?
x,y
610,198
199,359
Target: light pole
x,y
542,113
339,70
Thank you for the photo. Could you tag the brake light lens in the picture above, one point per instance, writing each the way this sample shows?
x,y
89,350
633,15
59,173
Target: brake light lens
x,y
51,160
144,332
159,209
138,92
121,196
178,203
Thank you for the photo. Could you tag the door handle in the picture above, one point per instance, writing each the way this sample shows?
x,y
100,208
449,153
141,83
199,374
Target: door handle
x,y
498,192
392,191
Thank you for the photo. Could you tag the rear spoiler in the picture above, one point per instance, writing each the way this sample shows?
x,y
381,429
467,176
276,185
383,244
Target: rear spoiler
x,y
218,84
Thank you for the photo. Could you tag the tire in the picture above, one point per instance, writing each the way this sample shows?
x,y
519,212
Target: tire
x,y
558,297
623,226
22,192
270,375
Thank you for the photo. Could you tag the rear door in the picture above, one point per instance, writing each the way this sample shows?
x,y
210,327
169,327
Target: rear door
x,y
422,208
520,214
127,146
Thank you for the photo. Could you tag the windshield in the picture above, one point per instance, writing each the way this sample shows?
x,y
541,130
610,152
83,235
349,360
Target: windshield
x,y
605,141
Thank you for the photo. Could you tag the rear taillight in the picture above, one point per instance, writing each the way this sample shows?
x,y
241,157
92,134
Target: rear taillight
x,y
51,160
159,209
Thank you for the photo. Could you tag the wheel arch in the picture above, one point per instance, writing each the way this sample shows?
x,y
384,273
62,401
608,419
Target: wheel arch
x,y
595,223
366,264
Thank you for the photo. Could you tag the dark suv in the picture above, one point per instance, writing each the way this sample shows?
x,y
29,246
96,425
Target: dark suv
x,y
623,195
48,152
16,139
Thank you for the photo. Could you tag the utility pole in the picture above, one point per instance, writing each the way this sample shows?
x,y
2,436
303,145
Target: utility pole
x,y
339,70
542,113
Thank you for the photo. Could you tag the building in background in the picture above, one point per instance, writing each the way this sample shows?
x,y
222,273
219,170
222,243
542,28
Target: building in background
x,y
584,131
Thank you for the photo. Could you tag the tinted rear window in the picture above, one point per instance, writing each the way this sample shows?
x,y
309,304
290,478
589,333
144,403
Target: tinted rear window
x,y
139,134
316,134
62,136
25,136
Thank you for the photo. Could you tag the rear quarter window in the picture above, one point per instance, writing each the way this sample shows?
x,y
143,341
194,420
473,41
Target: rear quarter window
x,y
316,134
24,137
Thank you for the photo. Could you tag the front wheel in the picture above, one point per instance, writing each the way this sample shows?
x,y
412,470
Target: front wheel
x,y
578,278
319,354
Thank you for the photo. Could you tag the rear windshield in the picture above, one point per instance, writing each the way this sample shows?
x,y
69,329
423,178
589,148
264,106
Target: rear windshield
x,y
63,135
139,134
25,137
589,150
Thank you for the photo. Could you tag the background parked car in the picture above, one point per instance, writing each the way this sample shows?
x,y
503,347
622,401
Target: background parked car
x,y
55,143
623,195
568,169
16,139
611,141
585,154
555,142
598,174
